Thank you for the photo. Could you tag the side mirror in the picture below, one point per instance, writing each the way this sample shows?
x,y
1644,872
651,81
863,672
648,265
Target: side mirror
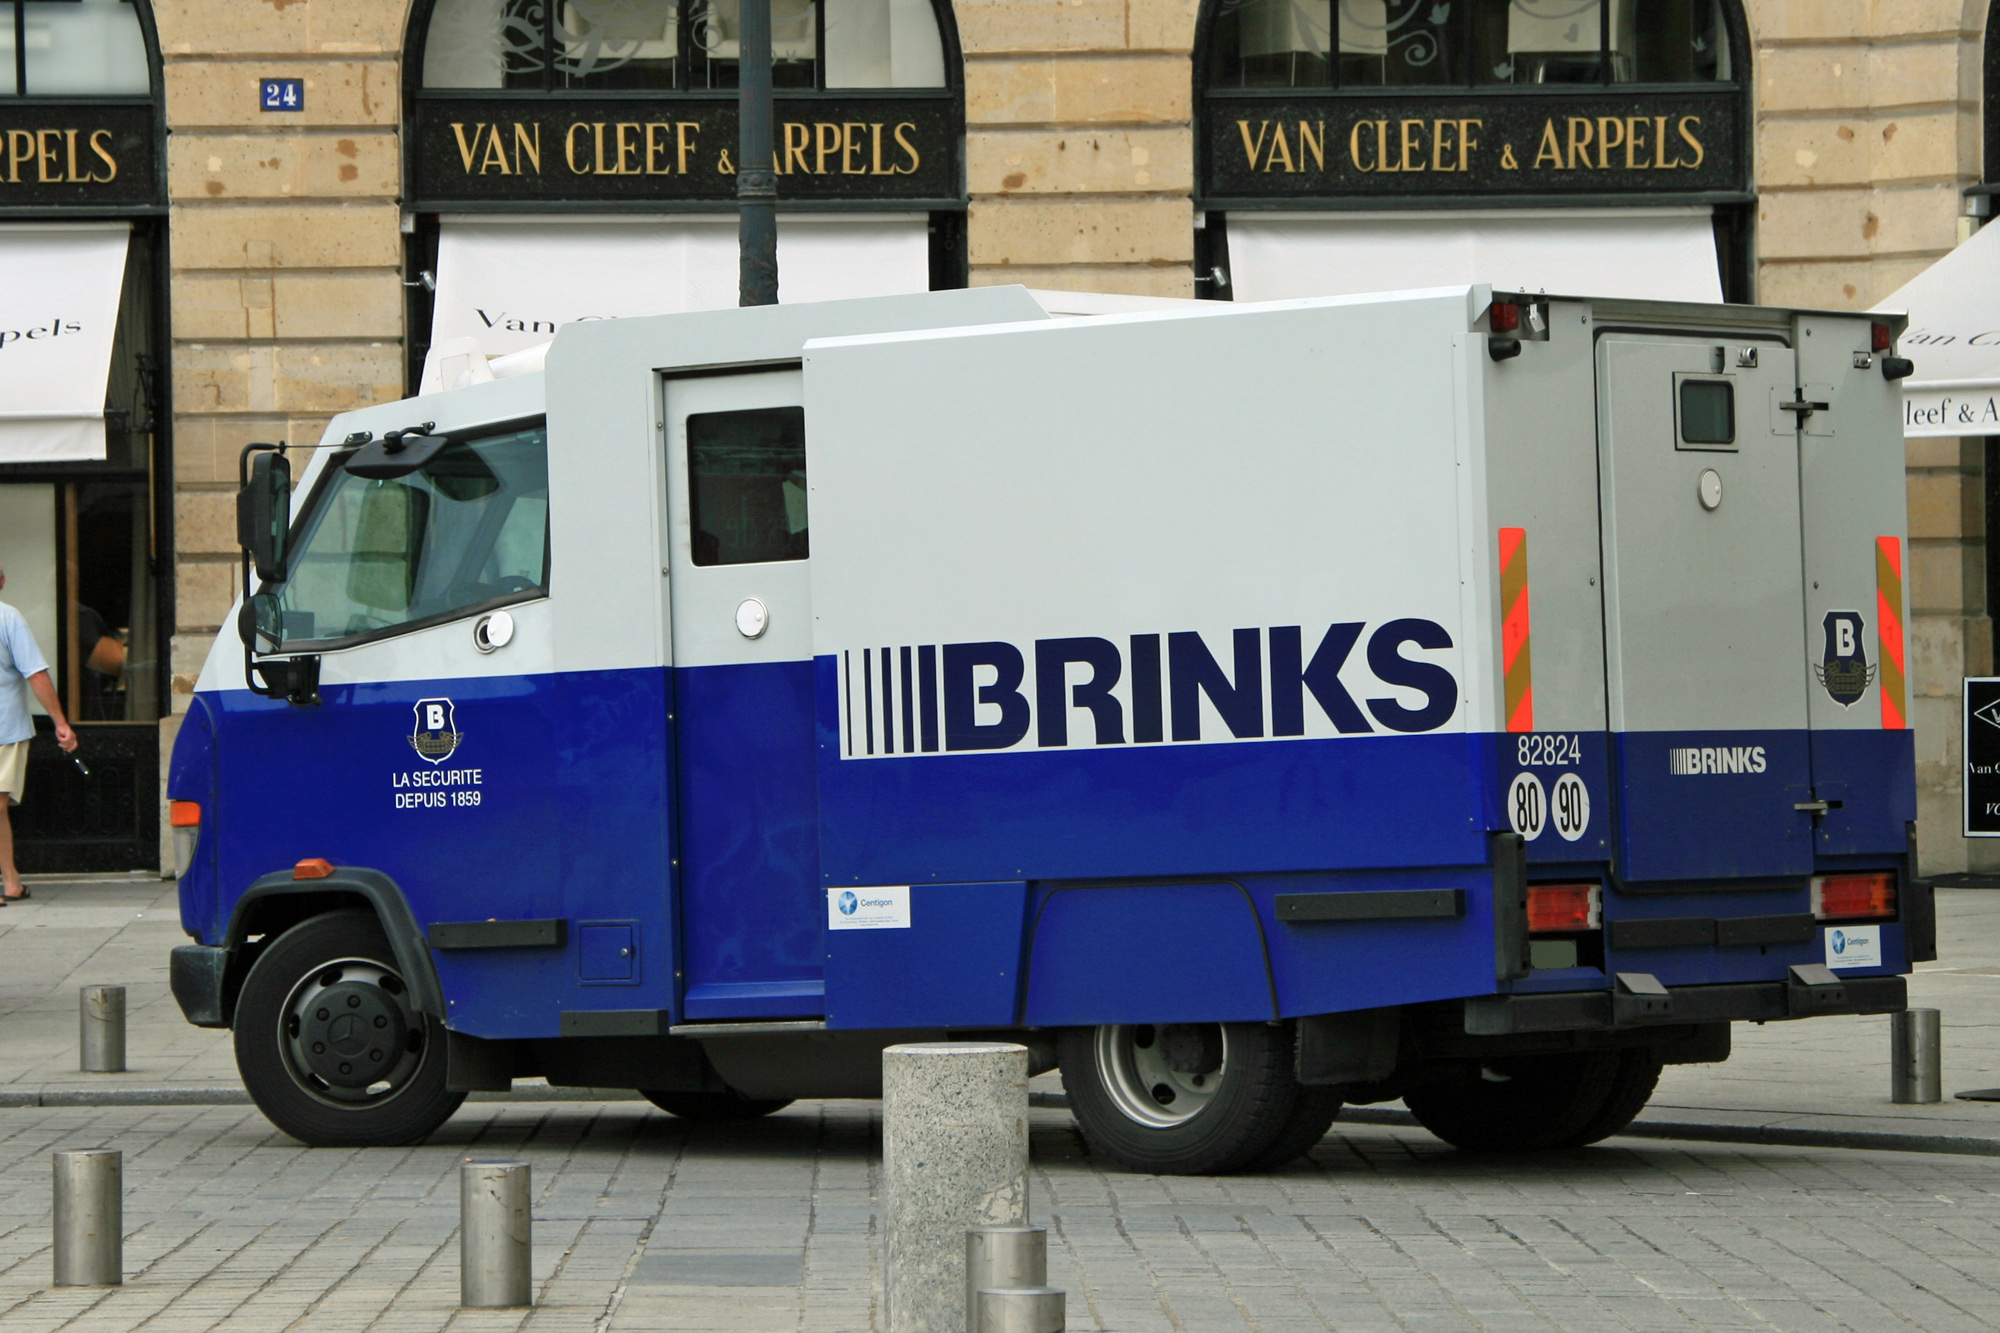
x,y
264,514
260,624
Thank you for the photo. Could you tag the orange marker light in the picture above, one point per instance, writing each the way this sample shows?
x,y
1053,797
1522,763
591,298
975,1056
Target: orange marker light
x,y
1853,897
313,867
184,814
1554,907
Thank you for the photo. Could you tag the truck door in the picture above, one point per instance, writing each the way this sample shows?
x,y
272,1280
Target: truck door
x,y
1705,652
741,617
1854,511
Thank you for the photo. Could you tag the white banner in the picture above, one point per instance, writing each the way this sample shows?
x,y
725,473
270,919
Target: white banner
x,y
1661,254
512,284
59,289
1954,341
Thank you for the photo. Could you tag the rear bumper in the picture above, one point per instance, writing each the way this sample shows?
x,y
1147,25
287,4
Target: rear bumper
x,y
1751,1002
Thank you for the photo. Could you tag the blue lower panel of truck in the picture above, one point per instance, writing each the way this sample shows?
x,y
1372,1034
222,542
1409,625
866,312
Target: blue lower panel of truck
x,y
570,821
1132,883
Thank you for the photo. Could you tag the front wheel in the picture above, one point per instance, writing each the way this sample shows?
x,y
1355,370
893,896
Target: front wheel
x,y
329,1044
1192,1099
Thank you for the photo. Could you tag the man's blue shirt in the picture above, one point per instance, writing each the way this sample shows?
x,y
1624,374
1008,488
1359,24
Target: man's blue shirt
x,y
19,659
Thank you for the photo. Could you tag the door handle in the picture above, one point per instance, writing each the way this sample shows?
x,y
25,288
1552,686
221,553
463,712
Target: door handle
x,y
1813,807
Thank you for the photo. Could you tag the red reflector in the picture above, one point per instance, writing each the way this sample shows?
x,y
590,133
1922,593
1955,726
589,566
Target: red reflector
x,y
313,867
184,814
1504,318
1847,897
1878,337
1562,907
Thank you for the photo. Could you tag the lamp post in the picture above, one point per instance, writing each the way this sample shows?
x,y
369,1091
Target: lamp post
x,y
756,182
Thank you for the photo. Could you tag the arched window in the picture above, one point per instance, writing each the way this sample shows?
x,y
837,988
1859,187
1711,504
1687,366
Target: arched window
x,y
1624,123
72,48
609,130
664,45
1480,43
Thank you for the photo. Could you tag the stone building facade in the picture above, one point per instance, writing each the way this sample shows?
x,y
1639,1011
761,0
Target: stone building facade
x,y
290,273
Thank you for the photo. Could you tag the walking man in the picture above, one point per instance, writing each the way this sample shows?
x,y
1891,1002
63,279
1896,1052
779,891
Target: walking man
x,y
21,669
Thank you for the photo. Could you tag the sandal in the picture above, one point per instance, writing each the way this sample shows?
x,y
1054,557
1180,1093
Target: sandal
x,y
22,896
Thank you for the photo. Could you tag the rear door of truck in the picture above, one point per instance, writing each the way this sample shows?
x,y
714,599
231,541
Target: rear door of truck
x,y
1705,645
1855,503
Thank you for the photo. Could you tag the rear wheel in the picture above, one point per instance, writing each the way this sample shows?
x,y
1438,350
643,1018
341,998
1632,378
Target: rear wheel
x,y
329,1044
1192,1098
1538,1103
713,1105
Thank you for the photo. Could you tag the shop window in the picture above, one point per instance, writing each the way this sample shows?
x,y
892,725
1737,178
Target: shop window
x,y
678,45
1422,43
69,48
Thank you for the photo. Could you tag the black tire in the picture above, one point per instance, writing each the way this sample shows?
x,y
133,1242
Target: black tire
x,y
1638,1075
1249,1111
713,1105
290,1046
1534,1103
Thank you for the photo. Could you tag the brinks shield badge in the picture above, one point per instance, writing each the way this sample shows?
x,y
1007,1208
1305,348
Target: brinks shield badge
x,y
436,734
1844,670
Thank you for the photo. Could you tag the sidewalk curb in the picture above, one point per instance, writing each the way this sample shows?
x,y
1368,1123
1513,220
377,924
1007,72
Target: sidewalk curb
x,y
1873,1140
60,1097
1774,1136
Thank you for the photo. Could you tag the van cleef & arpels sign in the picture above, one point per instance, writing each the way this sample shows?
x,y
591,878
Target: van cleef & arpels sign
x,y
495,150
76,155
1652,143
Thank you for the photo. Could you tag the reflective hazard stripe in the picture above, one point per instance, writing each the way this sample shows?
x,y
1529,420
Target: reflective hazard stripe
x,y
1889,631
1516,663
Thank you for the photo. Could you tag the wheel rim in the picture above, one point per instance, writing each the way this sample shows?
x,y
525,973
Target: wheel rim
x,y
1162,1075
349,1036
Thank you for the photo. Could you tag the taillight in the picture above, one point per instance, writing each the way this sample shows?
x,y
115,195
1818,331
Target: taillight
x,y
1878,337
1504,318
1563,907
1854,897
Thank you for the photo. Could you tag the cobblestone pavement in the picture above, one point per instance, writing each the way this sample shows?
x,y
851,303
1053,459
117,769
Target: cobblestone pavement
x,y
643,1222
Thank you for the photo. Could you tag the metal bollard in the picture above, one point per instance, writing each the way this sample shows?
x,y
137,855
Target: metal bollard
x,y
100,1016
997,1257
494,1244
1018,1310
954,1157
90,1218
1916,1057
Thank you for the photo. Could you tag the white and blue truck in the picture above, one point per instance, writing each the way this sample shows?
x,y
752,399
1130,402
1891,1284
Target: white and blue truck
x,y
1475,699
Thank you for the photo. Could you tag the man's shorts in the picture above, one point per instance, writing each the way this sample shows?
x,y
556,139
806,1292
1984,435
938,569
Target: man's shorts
x,y
14,769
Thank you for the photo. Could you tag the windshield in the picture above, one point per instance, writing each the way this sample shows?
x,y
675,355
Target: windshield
x,y
469,529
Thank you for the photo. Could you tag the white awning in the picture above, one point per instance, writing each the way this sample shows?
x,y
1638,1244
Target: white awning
x,y
511,283
59,289
1665,254
1954,341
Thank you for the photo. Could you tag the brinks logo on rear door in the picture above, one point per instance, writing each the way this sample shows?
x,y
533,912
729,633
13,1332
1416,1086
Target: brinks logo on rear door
x,y
1695,761
1146,688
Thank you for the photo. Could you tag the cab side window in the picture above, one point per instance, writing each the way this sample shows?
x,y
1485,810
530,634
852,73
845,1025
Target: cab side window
x,y
747,485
